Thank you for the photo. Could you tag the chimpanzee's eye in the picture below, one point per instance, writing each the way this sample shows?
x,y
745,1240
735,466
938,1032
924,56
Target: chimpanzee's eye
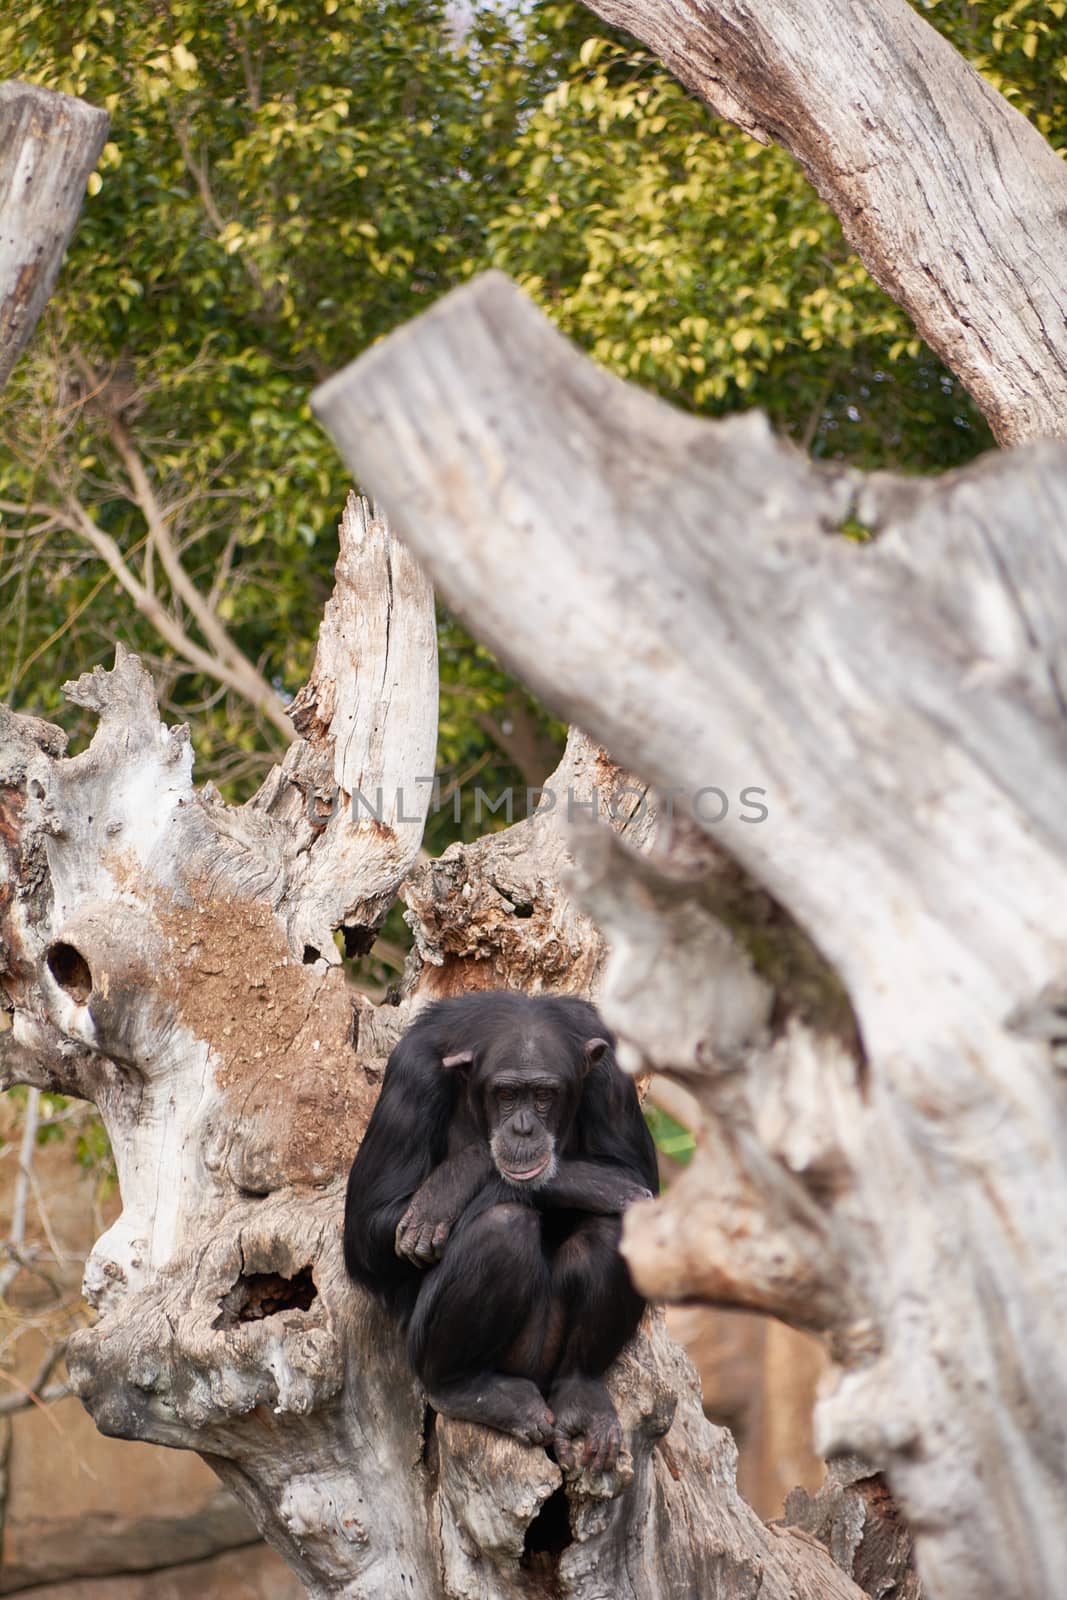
x,y
506,1099
543,1100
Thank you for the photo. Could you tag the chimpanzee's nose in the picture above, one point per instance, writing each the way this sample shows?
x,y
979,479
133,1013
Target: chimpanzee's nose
x,y
523,1124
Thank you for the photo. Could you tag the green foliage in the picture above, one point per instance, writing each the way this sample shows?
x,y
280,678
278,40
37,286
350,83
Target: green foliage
x,y
473,685
671,1138
92,1152
286,181
1020,48
283,183
60,1118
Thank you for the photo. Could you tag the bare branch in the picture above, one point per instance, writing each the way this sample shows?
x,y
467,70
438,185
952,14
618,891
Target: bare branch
x,y
955,203
199,172
10,1403
515,730
148,604
256,689
17,1235
35,1393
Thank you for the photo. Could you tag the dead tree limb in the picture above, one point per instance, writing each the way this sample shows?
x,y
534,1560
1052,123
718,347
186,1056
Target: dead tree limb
x,y
49,144
954,202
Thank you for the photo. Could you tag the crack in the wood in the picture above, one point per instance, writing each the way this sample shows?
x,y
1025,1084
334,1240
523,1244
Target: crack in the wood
x,y
389,603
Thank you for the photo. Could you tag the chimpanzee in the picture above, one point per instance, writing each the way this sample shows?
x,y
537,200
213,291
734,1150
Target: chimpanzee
x,y
484,1207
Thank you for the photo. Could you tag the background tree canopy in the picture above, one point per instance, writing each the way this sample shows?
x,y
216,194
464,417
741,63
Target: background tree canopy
x,y
287,180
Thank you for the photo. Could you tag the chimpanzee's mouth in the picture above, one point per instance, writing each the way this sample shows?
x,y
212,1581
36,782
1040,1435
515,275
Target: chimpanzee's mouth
x,y
525,1174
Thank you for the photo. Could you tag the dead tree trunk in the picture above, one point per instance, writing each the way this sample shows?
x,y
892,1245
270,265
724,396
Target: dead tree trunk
x,y
173,959
859,985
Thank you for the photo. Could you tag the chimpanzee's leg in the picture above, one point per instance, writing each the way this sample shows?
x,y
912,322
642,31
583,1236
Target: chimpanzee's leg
x,y
600,1308
476,1334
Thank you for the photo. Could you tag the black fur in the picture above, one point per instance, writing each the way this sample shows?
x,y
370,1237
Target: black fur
x,y
527,1296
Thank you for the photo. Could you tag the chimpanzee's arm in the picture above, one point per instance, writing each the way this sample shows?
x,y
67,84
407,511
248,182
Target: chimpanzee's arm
x,y
591,1186
439,1202
611,1159
406,1138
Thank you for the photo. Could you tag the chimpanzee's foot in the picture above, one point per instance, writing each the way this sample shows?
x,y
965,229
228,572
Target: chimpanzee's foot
x,y
514,1405
587,1432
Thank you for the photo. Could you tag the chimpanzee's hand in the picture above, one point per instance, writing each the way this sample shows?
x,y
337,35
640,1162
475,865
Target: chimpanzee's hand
x,y
423,1232
439,1202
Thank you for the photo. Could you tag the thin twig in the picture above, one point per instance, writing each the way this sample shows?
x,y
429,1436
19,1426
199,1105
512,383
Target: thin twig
x,y
17,1236
227,664
817,412
32,1397
46,1222
35,1392
167,627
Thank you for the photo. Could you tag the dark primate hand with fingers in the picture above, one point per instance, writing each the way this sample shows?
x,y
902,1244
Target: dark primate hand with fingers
x,y
484,1206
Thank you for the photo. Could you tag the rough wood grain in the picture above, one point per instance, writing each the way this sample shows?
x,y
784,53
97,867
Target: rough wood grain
x,y
955,203
49,144
681,589
854,1517
349,802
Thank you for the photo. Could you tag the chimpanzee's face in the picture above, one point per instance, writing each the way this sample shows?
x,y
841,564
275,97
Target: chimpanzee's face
x,y
529,1089
524,1112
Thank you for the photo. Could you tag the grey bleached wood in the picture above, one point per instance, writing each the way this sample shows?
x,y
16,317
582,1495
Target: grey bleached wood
x,y
492,915
350,799
49,144
852,1514
127,810
681,590
954,202
763,1216
153,951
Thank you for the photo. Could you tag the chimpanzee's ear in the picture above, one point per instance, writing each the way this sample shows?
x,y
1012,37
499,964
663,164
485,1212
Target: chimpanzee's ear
x,y
593,1051
462,1058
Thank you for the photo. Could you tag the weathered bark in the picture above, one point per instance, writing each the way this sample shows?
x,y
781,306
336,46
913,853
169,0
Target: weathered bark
x,y
883,1161
954,202
171,958
49,144
855,1518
